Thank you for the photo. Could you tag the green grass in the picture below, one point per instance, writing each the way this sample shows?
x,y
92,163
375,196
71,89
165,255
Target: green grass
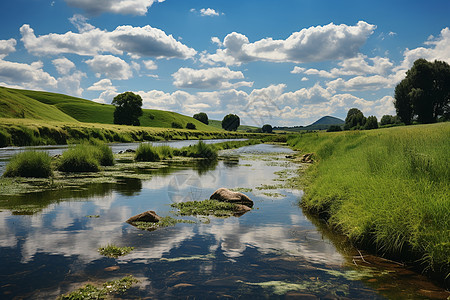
x,y
114,251
205,208
29,164
387,188
147,152
80,158
218,125
91,292
164,222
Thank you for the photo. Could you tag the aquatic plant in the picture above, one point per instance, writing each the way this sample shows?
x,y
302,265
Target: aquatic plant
x,y
146,152
90,291
29,164
81,158
114,251
164,222
205,208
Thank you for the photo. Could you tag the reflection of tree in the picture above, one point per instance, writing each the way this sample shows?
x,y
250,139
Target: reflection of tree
x,y
230,161
128,186
204,165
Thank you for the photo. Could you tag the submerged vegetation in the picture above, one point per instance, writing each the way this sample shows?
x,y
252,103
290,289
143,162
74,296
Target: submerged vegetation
x,y
387,188
30,164
114,251
205,208
90,291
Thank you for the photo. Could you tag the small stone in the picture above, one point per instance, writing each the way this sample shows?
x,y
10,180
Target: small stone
x,y
148,216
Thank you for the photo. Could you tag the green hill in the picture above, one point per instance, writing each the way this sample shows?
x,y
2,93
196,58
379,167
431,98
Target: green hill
x,y
38,105
322,124
218,124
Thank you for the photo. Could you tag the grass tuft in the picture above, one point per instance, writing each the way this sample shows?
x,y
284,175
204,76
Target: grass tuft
x,y
114,251
81,158
205,208
146,152
29,164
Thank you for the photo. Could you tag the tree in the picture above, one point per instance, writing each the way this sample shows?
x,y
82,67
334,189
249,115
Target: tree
x,y
354,120
267,128
371,123
231,122
190,126
202,117
334,128
388,119
424,93
128,109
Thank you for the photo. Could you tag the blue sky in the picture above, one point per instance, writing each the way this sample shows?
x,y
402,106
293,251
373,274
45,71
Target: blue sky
x,y
278,62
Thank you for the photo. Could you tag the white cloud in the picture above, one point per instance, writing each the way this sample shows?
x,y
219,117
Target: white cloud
x,y
63,65
80,22
111,66
139,41
131,7
27,76
150,65
315,94
320,43
6,47
361,83
208,12
212,78
71,84
104,84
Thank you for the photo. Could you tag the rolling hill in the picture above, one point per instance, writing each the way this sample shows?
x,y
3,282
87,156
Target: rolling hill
x,y
48,106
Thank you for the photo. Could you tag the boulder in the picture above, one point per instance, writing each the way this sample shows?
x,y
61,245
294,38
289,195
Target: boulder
x,y
225,195
148,216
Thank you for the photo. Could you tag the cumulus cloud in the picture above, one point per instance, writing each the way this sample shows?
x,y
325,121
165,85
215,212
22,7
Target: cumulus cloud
x,y
108,91
150,65
320,43
208,12
361,83
80,22
212,78
6,47
111,66
71,84
30,76
126,7
141,41
63,65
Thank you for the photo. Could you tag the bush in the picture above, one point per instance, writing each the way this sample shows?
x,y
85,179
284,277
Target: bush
x,y
202,117
5,139
334,128
191,126
146,152
81,158
30,164
176,125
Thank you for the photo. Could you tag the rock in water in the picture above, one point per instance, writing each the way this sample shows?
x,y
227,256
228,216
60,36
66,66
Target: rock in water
x,y
225,195
148,216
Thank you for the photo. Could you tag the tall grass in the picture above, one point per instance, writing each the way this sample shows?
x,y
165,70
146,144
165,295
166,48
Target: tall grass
x,y
147,152
86,158
387,188
29,164
199,150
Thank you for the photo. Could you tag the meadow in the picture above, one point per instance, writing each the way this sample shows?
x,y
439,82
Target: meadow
x,y
386,189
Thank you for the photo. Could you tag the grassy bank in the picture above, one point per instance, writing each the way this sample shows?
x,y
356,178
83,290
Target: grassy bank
x,y
386,188
27,132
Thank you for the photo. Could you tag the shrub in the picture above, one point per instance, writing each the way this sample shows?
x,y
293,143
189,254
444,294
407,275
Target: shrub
x,y
176,125
5,139
146,152
81,158
191,126
202,117
29,164
334,128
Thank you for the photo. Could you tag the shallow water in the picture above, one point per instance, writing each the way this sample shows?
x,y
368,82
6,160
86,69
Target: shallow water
x,y
274,251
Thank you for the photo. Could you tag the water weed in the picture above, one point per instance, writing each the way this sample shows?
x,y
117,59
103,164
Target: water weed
x,y
29,164
114,251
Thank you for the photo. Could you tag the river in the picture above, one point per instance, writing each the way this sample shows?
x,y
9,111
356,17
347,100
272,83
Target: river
x,y
273,251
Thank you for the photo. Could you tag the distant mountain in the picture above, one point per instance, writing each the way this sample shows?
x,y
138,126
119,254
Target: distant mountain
x,y
322,124
328,120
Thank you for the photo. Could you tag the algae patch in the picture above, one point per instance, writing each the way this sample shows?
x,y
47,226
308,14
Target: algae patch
x,y
114,251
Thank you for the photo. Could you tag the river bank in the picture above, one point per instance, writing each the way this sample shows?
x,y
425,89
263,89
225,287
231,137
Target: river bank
x,y
28,132
387,190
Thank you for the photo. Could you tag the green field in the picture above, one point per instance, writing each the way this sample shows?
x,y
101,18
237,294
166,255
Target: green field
x,y
388,190
57,107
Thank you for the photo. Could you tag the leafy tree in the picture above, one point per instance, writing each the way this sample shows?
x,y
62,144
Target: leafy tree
x,y
388,119
231,122
424,93
191,126
202,117
371,123
128,109
267,128
177,125
355,119
334,128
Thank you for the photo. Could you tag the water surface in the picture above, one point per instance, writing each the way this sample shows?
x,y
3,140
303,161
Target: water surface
x,y
274,251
